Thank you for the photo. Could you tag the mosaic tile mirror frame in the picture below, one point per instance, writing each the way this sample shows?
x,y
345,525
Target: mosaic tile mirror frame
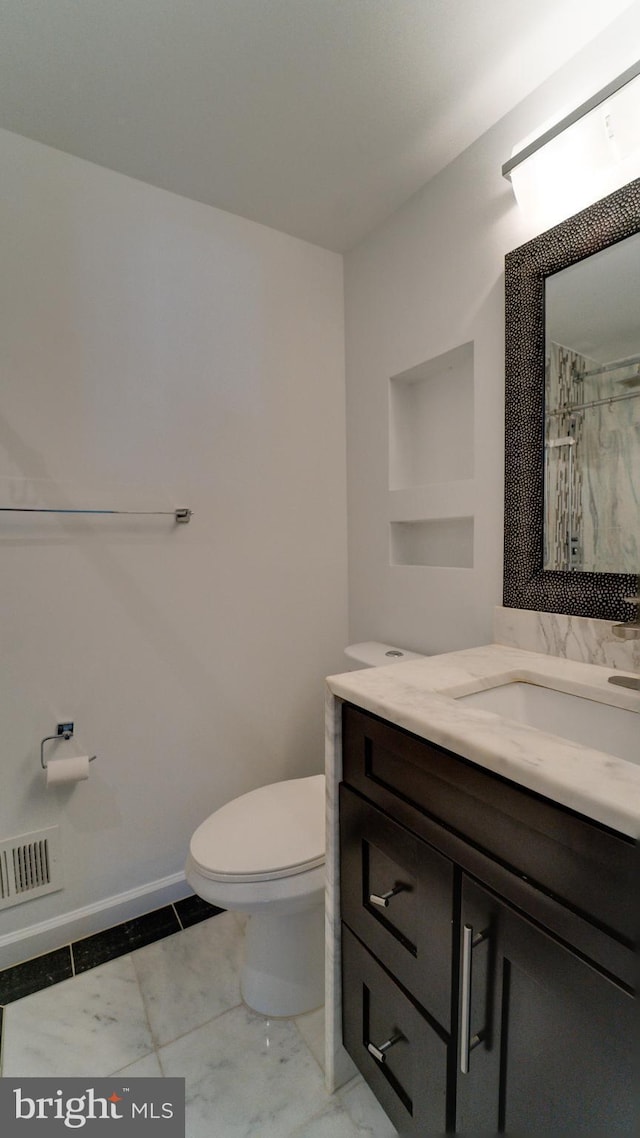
x,y
528,584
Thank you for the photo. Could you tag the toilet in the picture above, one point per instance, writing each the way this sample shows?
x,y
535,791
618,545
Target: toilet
x,y
263,855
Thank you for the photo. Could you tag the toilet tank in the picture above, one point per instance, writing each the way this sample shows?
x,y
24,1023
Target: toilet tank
x,y
374,654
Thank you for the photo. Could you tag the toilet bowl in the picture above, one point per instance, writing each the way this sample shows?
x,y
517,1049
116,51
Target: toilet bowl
x,y
263,855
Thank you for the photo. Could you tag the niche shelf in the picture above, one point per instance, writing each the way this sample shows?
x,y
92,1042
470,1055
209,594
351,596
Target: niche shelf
x,y
442,542
431,499
431,421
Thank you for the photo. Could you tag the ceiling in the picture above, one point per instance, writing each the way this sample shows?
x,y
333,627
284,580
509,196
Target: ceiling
x,y
316,117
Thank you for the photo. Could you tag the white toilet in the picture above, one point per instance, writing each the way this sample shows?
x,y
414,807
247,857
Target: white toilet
x,y
263,854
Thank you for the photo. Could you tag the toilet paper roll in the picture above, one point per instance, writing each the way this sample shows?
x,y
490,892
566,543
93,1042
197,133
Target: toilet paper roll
x,y
67,770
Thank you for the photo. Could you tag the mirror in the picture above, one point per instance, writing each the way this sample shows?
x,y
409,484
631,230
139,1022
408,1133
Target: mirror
x,y
592,413
572,445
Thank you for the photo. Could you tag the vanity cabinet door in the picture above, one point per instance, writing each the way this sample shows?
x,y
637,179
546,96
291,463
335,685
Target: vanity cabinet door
x,y
397,895
552,1040
402,1055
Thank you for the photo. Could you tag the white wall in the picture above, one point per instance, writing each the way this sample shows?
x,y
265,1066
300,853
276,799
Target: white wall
x,y
159,353
426,282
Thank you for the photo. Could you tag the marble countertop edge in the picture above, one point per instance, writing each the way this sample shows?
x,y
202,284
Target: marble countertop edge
x,y
420,697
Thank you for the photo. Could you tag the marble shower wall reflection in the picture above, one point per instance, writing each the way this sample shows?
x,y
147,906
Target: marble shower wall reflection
x,y
563,452
611,473
592,464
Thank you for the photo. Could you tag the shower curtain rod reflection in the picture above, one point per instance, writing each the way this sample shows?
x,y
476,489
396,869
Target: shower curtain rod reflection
x,y
616,365
593,403
182,515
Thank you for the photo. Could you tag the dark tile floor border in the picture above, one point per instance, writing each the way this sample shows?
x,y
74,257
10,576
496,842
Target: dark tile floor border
x,y
79,956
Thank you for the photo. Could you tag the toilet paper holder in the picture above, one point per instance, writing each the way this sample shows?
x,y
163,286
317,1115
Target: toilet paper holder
x,y
64,731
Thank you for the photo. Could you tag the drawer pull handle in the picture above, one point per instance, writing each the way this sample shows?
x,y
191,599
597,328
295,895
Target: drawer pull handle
x,y
380,1053
469,942
382,899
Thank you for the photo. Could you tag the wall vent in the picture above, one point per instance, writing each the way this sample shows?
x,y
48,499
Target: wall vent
x,y
29,866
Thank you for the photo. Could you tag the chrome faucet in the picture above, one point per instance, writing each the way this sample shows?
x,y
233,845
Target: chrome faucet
x,y
628,631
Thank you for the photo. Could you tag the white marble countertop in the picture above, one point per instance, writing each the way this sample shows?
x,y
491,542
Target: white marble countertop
x,y
419,696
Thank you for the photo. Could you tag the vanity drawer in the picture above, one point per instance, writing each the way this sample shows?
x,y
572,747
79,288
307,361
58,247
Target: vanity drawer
x,y
412,934
410,1077
580,863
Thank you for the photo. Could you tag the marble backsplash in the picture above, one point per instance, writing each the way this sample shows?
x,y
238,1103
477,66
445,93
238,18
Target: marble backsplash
x,y
571,637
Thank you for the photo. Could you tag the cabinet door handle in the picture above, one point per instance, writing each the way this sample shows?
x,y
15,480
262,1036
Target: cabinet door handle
x,y
382,899
380,1053
467,1043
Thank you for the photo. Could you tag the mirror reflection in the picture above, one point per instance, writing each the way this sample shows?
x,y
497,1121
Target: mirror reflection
x,y
592,413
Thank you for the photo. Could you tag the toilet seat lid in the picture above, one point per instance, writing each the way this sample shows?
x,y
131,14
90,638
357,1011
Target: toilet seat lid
x,y
274,831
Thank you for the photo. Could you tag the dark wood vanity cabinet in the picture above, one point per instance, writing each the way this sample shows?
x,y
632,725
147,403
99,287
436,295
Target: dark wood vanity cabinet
x,y
487,946
557,1036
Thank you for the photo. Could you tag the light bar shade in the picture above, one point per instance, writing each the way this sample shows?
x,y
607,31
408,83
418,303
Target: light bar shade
x,y
584,157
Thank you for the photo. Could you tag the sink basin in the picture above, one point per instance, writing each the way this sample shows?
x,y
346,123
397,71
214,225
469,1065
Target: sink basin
x,y
598,725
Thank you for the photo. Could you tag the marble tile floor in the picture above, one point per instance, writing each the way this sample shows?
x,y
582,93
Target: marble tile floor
x,y
173,1008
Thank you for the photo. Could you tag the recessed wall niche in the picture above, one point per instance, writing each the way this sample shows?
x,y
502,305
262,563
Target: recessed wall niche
x,y
445,542
431,489
431,421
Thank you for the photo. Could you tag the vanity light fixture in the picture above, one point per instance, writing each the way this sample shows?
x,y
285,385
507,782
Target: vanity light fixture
x,y
583,157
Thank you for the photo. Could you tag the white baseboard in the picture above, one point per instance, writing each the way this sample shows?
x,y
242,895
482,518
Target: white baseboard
x,y
33,940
